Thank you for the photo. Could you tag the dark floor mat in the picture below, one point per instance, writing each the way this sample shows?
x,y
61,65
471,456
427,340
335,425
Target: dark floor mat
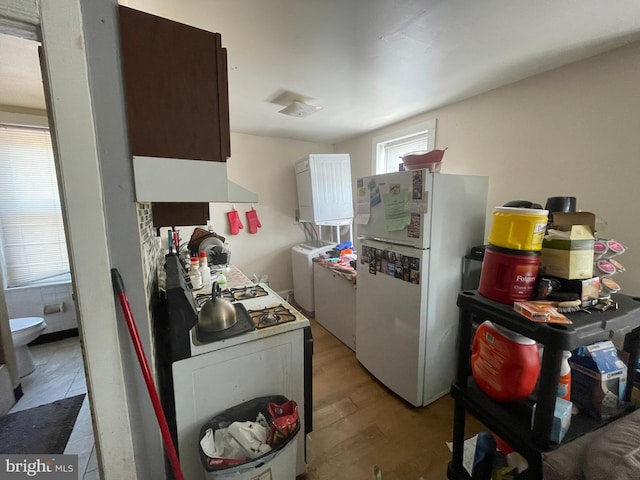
x,y
43,429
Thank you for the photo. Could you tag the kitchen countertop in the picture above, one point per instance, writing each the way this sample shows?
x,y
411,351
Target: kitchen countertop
x,y
342,268
235,279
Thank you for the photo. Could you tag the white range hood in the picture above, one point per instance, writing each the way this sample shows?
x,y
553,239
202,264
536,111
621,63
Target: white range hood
x,y
179,180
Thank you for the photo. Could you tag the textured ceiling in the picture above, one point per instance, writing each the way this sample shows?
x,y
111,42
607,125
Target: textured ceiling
x,y
367,63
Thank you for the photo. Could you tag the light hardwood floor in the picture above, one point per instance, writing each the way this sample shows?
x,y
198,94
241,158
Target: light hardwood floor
x,y
59,374
358,422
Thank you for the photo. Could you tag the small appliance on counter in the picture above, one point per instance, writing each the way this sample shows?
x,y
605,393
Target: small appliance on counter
x,y
471,267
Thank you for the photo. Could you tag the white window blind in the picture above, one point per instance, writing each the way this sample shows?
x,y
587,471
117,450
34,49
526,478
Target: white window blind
x,y
397,148
31,229
389,148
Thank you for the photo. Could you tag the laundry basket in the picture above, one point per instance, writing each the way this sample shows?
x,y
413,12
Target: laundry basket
x,y
280,461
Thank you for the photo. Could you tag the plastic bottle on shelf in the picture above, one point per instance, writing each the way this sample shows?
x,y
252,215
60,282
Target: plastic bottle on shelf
x,y
564,382
205,272
194,274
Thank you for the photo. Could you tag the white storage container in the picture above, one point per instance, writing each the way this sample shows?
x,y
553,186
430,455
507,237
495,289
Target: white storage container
x,y
325,192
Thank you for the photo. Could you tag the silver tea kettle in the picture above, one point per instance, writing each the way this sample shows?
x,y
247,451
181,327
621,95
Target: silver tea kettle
x,y
218,313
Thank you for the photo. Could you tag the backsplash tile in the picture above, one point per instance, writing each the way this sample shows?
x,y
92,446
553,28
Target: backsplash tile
x,y
151,248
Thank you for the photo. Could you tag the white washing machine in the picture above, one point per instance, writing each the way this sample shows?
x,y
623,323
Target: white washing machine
x,y
302,265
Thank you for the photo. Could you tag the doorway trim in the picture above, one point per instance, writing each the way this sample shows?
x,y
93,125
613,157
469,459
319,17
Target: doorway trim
x,y
74,134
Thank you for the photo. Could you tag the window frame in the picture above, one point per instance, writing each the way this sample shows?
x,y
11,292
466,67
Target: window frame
x,y
35,122
377,156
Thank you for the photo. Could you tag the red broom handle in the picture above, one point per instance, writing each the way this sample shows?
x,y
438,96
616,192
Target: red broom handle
x,y
118,286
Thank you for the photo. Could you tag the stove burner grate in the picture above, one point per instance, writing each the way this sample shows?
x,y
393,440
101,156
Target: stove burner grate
x,y
201,299
234,294
270,316
244,293
268,319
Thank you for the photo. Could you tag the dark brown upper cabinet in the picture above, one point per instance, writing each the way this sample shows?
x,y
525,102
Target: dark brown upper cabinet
x,y
176,88
179,214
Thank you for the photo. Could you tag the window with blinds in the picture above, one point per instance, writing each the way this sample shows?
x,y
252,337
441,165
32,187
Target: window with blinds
x,y
31,229
390,148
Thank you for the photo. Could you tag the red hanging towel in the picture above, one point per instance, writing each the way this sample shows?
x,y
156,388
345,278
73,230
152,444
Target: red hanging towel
x,y
254,222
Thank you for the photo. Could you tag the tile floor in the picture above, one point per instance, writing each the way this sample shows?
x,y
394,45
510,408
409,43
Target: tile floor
x,y
59,374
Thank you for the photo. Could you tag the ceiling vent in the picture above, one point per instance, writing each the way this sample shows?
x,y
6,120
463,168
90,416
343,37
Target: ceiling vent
x,y
299,109
295,104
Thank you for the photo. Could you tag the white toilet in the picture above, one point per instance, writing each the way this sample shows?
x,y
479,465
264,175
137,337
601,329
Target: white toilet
x,y
23,331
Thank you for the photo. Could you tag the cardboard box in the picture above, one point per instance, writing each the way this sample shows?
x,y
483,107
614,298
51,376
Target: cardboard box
x,y
540,311
598,378
567,249
561,419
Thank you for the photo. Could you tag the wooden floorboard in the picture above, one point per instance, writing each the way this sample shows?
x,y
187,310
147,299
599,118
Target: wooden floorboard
x,y
358,423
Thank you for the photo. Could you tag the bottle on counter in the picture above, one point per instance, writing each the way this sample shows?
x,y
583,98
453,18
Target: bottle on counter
x,y
205,271
222,279
194,274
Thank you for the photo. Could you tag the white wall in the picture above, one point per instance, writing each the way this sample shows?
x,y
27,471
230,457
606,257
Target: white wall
x,y
572,131
31,302
264,165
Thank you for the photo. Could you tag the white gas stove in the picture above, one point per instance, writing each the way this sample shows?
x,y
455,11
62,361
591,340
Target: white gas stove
x,y
267,314
271,355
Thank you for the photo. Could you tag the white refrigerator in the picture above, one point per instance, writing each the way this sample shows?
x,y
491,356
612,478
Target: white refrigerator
x,y
414,228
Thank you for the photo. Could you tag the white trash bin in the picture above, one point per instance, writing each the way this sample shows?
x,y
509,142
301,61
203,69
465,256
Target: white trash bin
x,y
278,464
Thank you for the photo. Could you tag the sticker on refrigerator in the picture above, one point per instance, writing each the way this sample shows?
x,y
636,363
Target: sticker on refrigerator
x,y
372,267
395,214
363,203
374,193
363,210
417,185
393,264
413,230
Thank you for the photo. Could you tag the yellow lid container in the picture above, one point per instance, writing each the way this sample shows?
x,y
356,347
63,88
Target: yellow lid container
x,y
518,228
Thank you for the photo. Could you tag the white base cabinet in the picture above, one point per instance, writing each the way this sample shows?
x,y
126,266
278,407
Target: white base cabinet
x,y
335,304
